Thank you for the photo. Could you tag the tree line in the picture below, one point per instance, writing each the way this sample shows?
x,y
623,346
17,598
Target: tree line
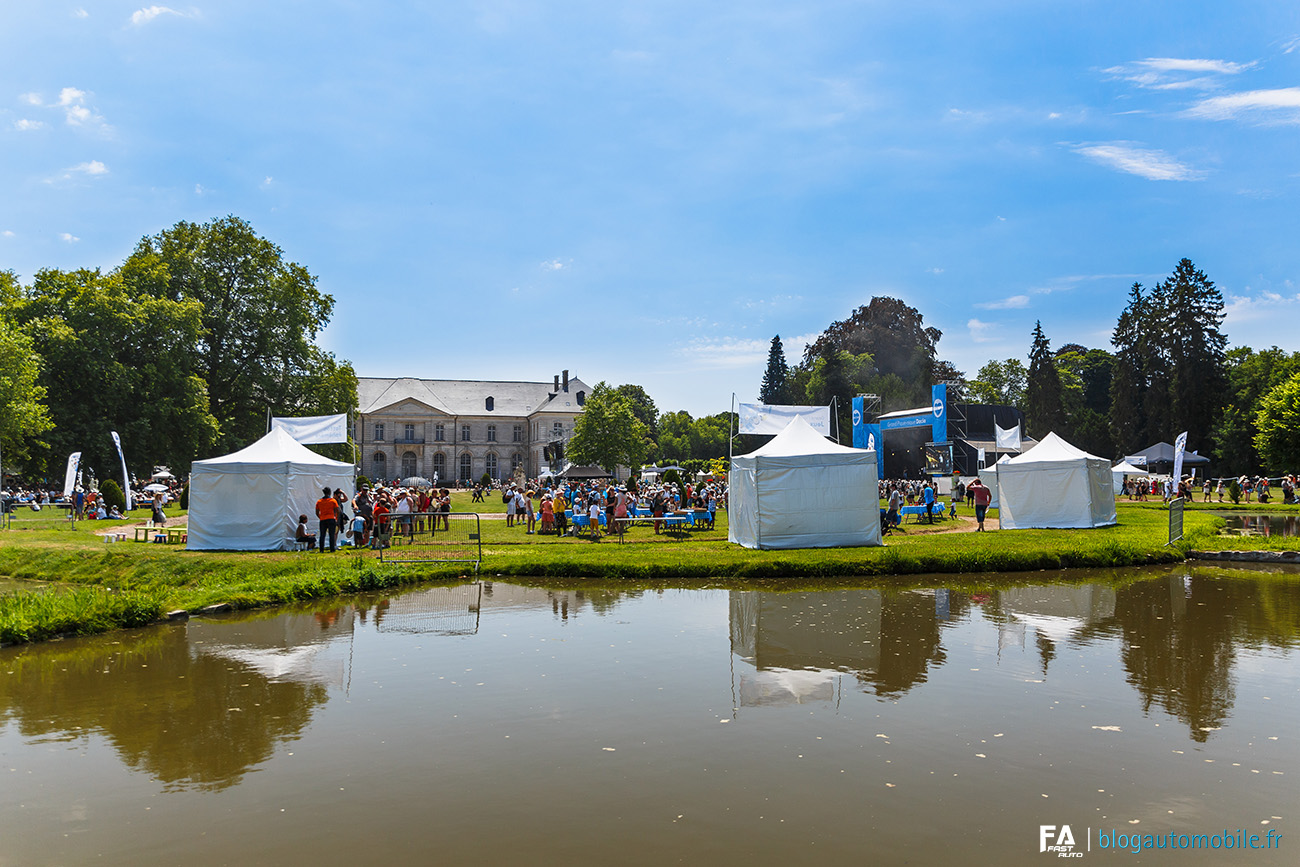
x,y
183,349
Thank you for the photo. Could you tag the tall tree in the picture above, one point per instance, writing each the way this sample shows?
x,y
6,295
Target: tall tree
x,y
1085,383
1251,375
1139,394
774,388
608,433
1043,394
23,414
1192,310
1001,383
1278,421
115,360
895,336
260,315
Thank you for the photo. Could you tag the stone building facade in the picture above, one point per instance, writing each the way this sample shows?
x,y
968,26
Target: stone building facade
x,y
460,429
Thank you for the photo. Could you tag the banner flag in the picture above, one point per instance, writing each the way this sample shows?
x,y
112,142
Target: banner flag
x,y
1007,439
70,477
126,478
981,458
310,429
770,418
1180,447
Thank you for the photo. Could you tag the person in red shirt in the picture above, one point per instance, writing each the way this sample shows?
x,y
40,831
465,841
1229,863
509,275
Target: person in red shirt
x,y
327,509
983,496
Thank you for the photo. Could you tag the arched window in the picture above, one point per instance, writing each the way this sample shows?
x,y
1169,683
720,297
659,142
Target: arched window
x,y
466,467
410,464
490,403
379,465
582,398
440,467
516,461
490,465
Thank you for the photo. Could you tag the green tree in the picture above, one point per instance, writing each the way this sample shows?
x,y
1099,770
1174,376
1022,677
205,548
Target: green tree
x,y
1085,384
1044,411
259,315
893,334
114,360
1192,310
643,407
1278,421
608,432
1001,383
1139,395
23,414
774,388
1250,375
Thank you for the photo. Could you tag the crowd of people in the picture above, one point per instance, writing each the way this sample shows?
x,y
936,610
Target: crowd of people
x,y
1252,488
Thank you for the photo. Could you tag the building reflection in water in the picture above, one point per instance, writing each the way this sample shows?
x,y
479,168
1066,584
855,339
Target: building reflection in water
x,y
795,647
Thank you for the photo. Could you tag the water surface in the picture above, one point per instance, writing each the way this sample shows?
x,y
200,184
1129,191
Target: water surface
x,y
496,724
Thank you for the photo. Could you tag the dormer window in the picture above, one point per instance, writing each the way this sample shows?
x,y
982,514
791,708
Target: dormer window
x,y
490,403
582,398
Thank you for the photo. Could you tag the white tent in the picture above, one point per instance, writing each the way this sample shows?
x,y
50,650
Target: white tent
x,y
1055,485
1122,469
989,476
251,500
801,490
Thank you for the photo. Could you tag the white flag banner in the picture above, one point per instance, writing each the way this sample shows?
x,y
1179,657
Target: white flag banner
x,y
1180,447
771,418
126,478
981,458
70,477
1007,439
315,428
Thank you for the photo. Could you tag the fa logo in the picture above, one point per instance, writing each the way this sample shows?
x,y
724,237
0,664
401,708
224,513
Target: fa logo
x,y
1051,840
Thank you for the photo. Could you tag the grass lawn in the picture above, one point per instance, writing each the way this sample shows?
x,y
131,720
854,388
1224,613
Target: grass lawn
x,y
100,586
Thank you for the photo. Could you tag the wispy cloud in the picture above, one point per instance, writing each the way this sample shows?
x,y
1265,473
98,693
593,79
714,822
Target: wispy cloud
x,y
68,237
31,98
727,352
556,265
24,124
73,102
93,167
149,13
8,233
981,332
1178,73
1154,165
80,13
1281,105
1015,302
1266,307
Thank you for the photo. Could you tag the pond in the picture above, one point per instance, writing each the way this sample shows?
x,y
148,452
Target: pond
x,y
497,724
1262,525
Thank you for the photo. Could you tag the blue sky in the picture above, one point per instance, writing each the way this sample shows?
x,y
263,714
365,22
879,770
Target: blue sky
x,y
648,191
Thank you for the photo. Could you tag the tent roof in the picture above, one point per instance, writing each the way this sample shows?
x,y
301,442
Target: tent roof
x,y
1128,469
1052,448
277,447
1163,453
585,472
799,438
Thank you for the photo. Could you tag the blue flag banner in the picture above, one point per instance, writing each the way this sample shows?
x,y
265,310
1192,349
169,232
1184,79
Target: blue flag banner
x,y
939,413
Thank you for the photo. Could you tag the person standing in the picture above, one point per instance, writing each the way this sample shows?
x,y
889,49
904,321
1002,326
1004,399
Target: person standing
x,y
927,497
327,510
983,496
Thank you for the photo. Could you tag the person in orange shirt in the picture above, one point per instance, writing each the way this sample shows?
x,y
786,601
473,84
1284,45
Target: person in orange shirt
x,y
327,509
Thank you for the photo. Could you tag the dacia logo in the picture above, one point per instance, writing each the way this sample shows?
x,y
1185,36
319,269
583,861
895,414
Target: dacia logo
x,y
1057,841
938,408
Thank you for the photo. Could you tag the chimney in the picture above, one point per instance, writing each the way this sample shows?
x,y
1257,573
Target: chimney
x,y
566,380
557,384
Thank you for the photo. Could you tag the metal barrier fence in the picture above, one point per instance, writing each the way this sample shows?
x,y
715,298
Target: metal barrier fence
x,y
429,537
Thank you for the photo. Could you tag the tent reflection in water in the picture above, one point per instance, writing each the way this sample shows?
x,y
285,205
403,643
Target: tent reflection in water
x,y
801,490
1055,485
250,500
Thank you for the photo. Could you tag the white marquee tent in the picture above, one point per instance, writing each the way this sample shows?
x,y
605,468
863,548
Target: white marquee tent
x,y
250,500
1055,485
801,490
1122,469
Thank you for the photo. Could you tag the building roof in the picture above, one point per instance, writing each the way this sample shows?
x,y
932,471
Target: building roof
x,y
467,397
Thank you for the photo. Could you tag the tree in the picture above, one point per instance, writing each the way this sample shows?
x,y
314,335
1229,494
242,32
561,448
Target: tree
x,y
114,360
259,315
23,414
893,333
774,388
1192,309
1001,383
1251,375
643,407
1085,385
1139,395
608,433
1278,421
1043,393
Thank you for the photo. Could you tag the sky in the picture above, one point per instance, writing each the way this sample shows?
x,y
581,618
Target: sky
x,y
648,192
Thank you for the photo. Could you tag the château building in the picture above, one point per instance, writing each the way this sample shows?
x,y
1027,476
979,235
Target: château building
x,y
448,429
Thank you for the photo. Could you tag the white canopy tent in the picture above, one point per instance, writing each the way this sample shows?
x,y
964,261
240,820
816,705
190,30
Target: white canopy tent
x,y
1122,469
250,500
801,490
989,476
1055,485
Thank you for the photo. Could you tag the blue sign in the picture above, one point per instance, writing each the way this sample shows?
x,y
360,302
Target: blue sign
x,y
868,436
907,421
939,413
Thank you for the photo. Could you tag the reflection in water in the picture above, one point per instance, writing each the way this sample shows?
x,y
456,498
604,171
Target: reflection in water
x,y
1263,525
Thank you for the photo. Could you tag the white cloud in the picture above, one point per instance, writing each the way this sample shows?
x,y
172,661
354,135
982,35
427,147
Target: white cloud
x,y
1281,105
727,352
94,167
68,237
1291,45
24,124
198,189
31,98
981,332
555,265
80,13
1267,308
149,13
8,233
1015,302
267,182
1177,73
934,270
73,102
1154,165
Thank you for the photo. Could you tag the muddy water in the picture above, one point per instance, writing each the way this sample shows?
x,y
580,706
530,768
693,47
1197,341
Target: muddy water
x,y
493,724
1263,525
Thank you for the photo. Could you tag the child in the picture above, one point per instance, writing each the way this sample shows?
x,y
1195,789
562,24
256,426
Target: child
x,y
302,535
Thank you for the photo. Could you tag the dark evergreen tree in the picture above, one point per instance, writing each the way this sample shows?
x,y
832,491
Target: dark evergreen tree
x,y
776,379
1139,394
1043,407
1192,309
